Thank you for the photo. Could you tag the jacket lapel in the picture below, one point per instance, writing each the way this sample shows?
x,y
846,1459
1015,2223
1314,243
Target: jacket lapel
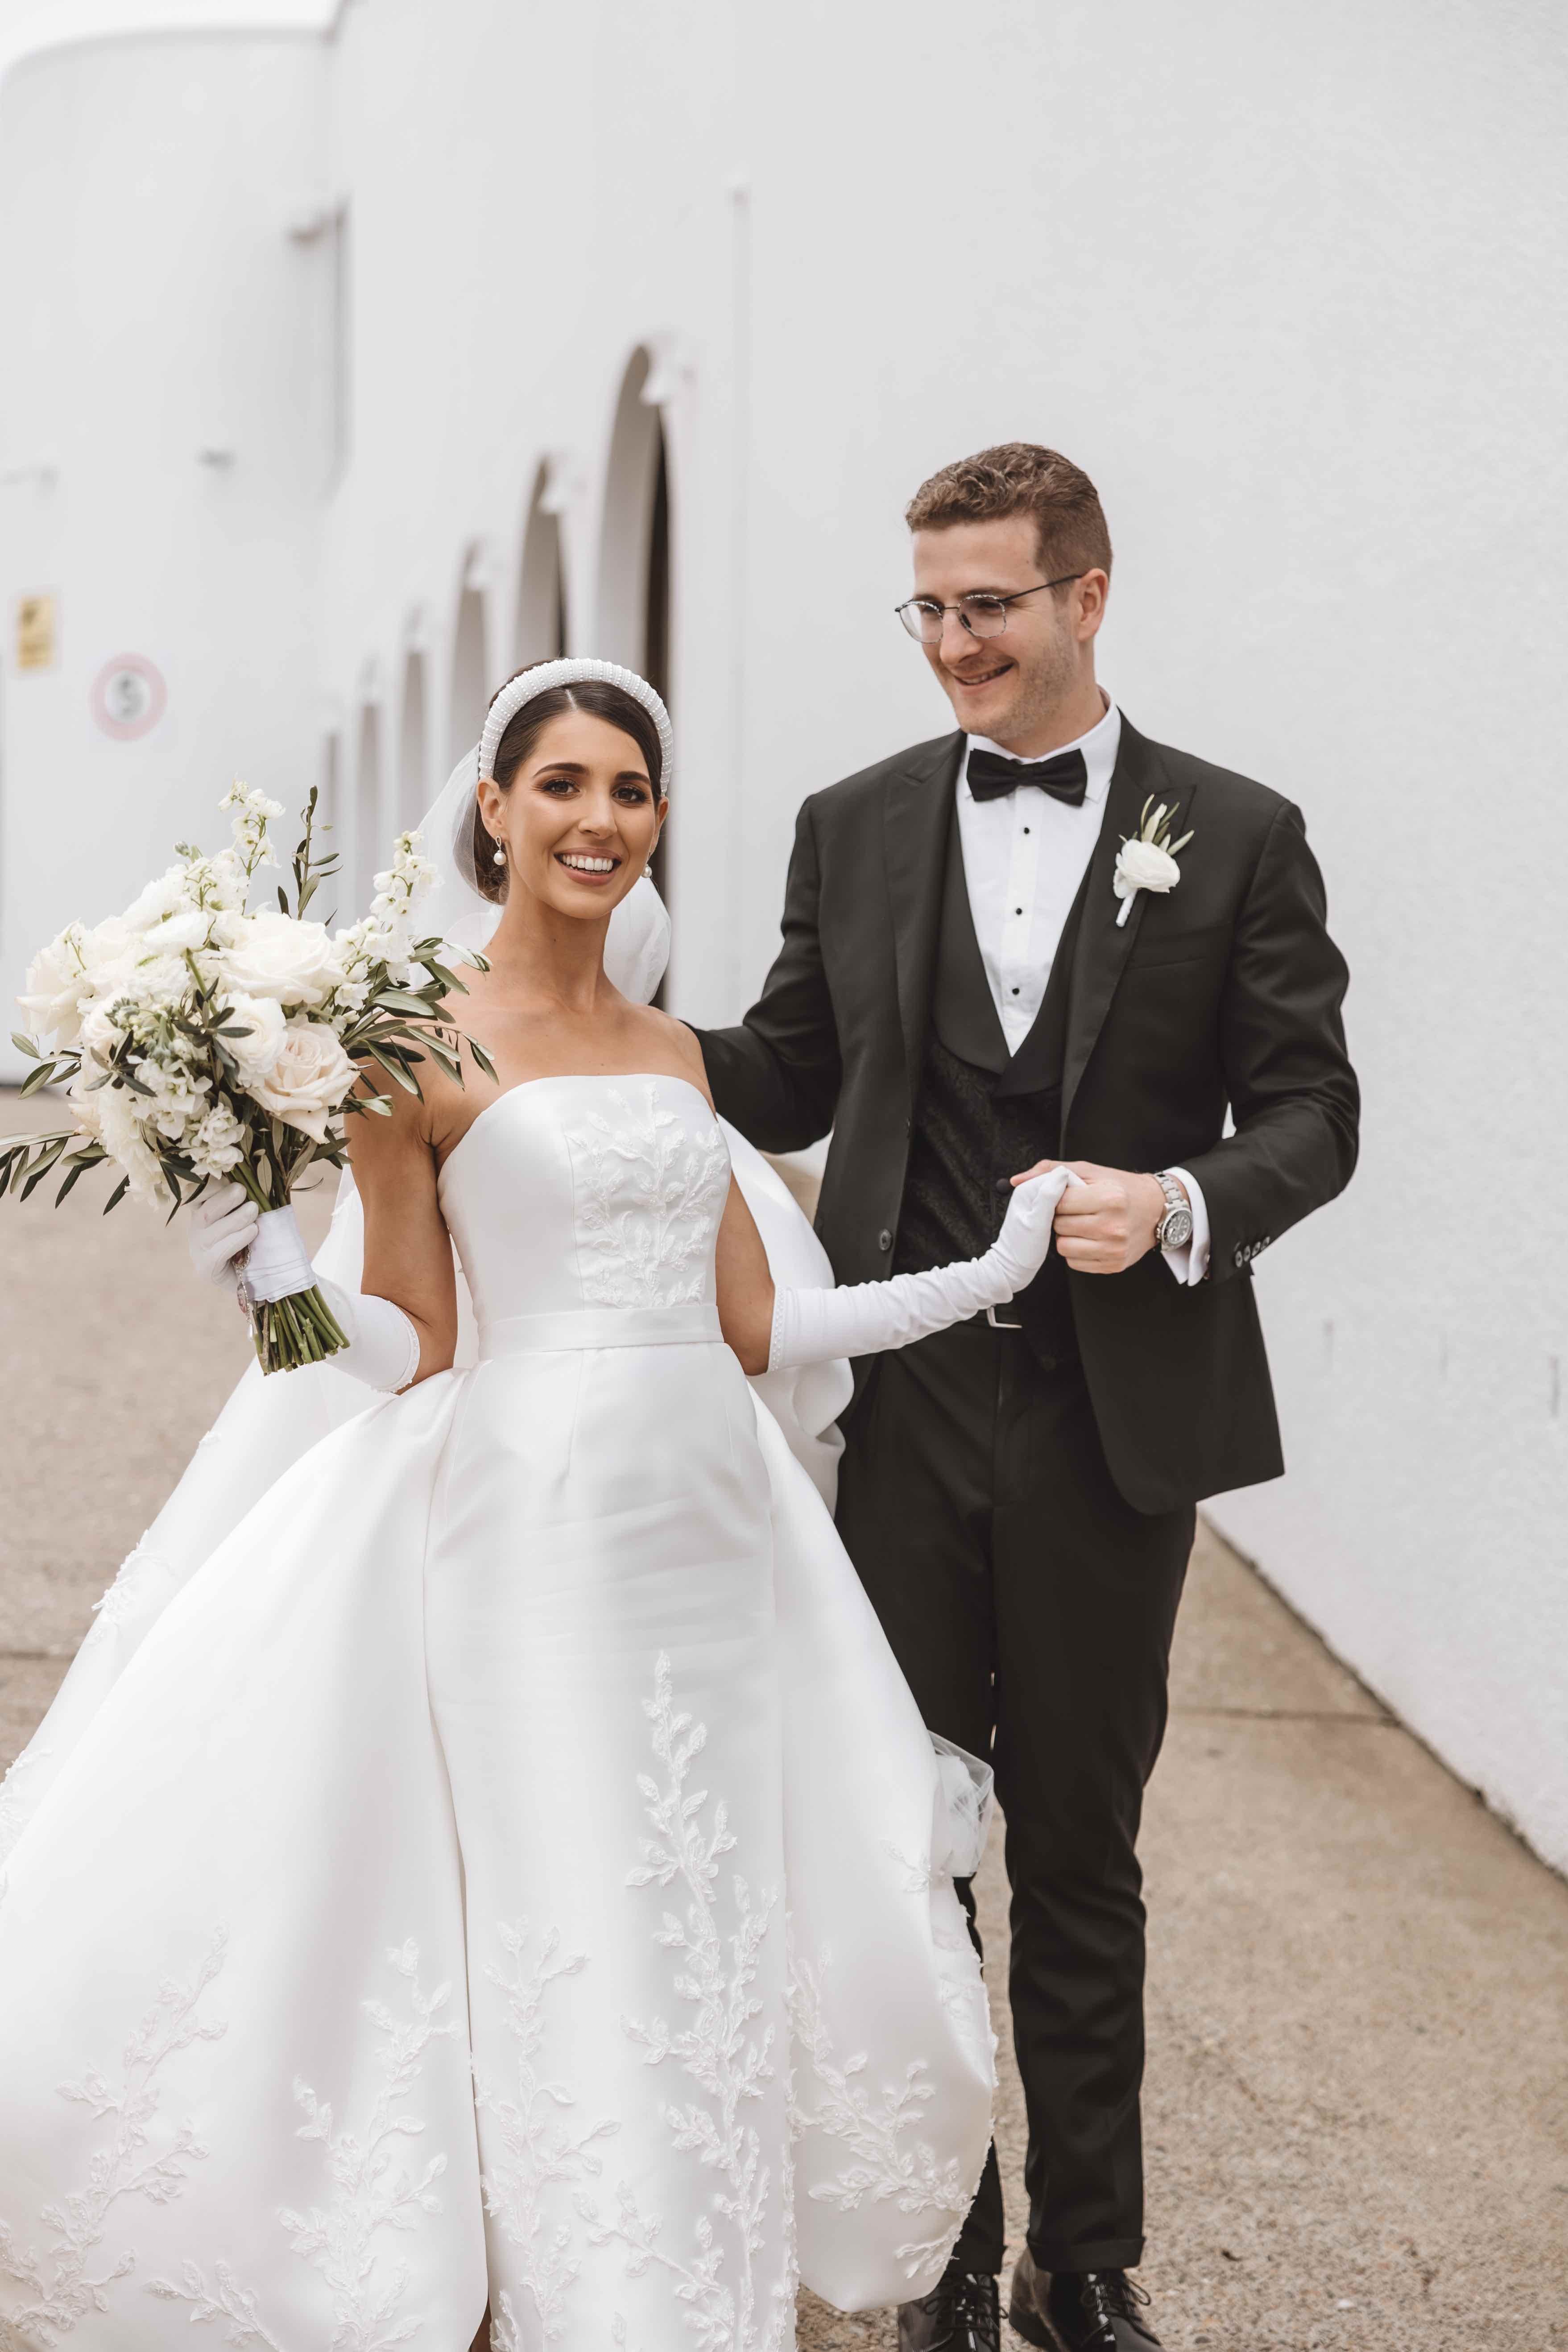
x,y
1103,945
915,811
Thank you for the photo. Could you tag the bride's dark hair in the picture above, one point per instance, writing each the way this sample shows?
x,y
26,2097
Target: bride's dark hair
x,y
601,700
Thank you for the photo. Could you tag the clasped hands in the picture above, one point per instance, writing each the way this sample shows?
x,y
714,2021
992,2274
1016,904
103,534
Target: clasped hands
x,y
1105,1222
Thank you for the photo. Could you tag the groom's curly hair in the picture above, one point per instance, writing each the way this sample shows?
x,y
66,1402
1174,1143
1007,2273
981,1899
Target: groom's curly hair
x,y
1020,478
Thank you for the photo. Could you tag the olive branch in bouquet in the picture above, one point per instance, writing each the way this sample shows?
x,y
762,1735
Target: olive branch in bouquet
x,y
201,1044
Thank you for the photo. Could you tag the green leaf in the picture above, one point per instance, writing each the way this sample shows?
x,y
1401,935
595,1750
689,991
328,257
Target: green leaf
x,y
36,1078
282,899
24,1044
117,1196
79,1168
395,1070
483,1059
448,980
399,1000
43,1164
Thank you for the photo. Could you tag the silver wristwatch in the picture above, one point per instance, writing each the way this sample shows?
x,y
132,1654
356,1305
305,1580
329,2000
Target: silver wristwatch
x,y
1174,1230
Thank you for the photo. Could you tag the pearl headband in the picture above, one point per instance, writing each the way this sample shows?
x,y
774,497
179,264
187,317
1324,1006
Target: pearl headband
x,y
532,683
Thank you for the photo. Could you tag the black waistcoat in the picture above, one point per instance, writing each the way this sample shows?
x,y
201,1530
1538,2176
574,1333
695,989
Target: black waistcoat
x,y
982,1113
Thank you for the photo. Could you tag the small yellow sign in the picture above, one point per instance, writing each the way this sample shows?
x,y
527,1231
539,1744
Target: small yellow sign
x,y
35,633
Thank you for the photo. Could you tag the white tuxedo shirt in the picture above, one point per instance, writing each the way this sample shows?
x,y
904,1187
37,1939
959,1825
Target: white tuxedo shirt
x,y
1024,854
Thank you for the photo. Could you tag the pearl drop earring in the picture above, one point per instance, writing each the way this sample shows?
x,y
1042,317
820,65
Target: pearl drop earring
x,y
498,858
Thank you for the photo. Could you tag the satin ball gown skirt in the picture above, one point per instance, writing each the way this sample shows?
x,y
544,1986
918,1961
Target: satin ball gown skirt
x,y
512,1867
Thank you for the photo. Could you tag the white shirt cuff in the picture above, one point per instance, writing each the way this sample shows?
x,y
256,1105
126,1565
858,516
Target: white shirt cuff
x,y
1191,1264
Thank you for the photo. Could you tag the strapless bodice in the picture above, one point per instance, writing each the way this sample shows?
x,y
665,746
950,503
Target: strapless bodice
x,y
588,1193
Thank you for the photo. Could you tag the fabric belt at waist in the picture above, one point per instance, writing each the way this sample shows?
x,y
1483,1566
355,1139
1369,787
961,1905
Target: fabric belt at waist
x,y
599,1327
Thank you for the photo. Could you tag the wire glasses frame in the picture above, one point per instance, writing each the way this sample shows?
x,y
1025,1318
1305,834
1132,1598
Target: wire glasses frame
x,y
983,615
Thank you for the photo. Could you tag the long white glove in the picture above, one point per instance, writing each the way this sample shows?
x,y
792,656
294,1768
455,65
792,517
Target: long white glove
x,y
383,1345
865,1318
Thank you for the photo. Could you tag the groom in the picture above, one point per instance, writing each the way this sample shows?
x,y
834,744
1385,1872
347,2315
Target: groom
x,y
969,985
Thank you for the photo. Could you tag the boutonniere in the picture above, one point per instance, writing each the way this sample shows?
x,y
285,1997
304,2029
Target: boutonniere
x,y
1147,859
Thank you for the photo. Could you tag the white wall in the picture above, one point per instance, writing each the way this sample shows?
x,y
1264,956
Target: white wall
x,y
154,310
1288,286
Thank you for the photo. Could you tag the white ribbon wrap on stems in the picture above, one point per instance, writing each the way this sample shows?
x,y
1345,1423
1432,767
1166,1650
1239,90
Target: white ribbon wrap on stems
x,y
277,1264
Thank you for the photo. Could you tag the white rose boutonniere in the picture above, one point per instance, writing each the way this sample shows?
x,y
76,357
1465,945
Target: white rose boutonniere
x,y
1147,859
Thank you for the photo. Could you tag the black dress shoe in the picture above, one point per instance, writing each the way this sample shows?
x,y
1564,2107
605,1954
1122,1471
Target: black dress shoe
x,y
1078,2311
961,2314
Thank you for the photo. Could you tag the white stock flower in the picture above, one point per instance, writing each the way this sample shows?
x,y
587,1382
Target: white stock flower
x,y
219,1144
262,1018
178,1098
309,1079
117,1123
271,954
1140,865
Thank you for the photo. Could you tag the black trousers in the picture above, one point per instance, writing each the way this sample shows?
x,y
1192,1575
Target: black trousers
x,y
1031,1610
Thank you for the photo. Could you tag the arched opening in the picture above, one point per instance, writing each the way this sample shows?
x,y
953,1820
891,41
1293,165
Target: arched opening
x,y
636,567
412,745
541,586
367,859
470,675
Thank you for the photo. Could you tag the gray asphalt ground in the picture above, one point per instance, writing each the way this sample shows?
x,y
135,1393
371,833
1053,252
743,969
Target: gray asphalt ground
x,y
1357,2103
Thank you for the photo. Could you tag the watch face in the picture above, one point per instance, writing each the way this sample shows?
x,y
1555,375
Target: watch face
x,y
1176,1231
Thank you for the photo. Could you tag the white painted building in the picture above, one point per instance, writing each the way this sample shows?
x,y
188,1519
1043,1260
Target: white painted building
x,y
344,370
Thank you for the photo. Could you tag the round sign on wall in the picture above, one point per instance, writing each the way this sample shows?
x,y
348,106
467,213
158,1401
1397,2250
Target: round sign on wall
x,y
129,697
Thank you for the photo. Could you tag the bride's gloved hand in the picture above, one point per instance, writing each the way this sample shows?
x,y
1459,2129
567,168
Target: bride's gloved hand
x,y
383,1344
221,1228
864,1319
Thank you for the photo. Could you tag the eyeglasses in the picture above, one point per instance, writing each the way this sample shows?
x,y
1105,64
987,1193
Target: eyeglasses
x,y
981,616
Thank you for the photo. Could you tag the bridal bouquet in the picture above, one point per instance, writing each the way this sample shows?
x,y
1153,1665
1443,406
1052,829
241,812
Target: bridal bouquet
x,y
199,1042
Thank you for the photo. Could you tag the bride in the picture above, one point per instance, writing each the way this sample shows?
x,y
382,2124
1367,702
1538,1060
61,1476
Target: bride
x,y
510,1865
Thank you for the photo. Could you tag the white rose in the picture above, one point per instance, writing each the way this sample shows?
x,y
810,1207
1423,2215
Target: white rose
x,y
58,985
187,927
273,955
255,1054
308,1081
101,1034
1140,866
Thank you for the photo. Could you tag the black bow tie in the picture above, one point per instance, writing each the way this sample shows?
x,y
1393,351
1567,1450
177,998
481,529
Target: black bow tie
x,y
1064,777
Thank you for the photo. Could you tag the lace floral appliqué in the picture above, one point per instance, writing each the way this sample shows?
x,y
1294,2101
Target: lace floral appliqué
x,y
374,2192
72,2277
717,2048
880,2129
650,1192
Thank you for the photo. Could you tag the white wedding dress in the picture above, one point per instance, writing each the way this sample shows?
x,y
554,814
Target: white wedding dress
x,y
512,1864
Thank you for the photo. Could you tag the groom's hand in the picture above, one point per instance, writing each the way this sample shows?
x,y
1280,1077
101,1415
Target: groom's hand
x,y
1105,1222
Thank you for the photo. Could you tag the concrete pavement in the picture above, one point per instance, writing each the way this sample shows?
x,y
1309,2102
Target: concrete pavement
x,y
1357,2107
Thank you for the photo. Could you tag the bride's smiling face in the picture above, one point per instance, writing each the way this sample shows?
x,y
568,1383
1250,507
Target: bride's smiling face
x,y
579,820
